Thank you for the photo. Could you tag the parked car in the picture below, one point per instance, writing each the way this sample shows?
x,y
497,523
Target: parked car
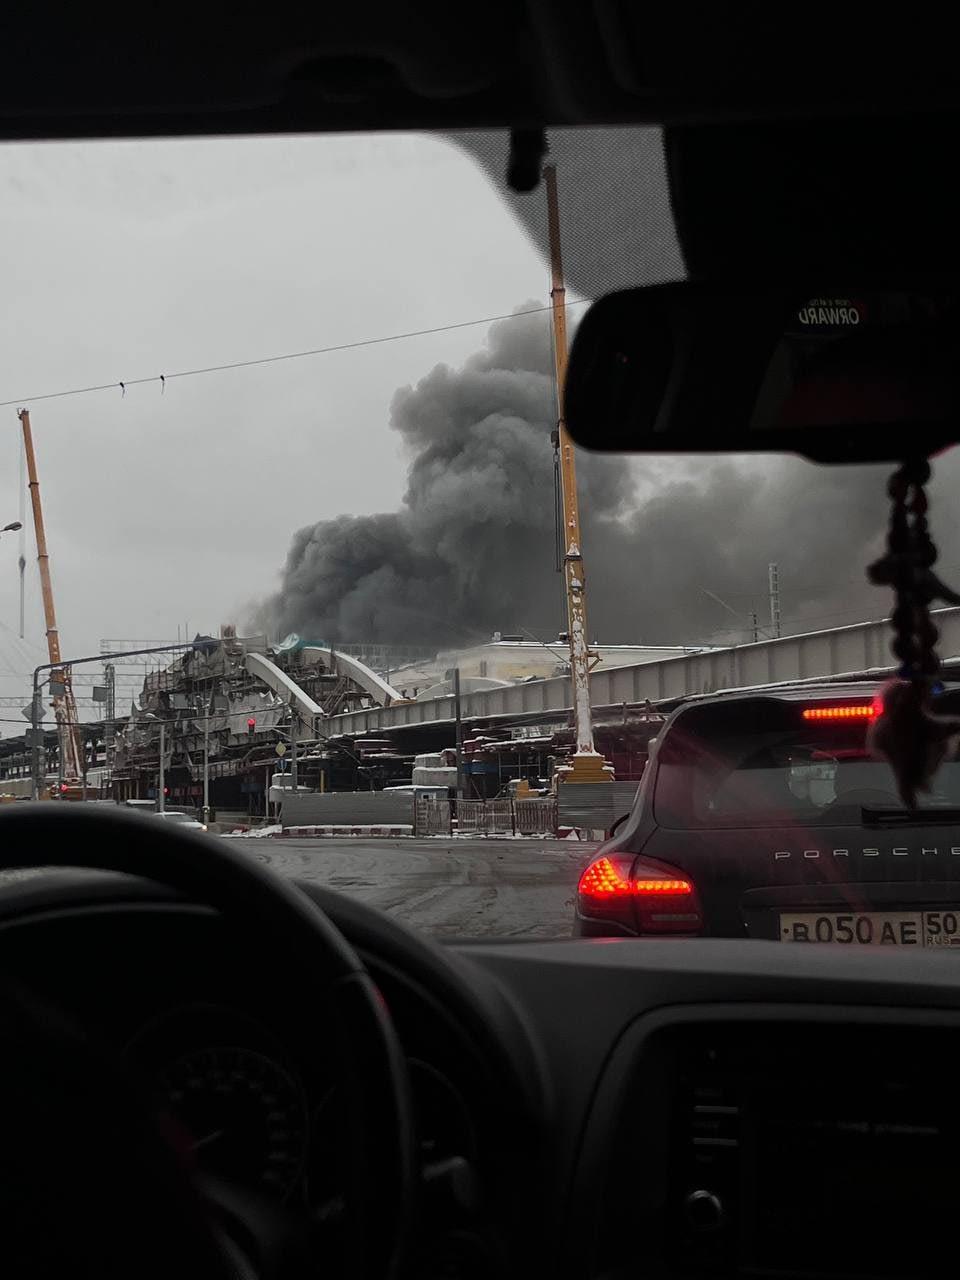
x,y
181,819
766,815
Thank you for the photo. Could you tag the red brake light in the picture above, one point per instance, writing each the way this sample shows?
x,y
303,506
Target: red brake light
x,y
646,896
845,711
659,887
602,879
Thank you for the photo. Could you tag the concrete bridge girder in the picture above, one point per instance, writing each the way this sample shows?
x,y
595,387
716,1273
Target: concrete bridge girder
x,y
862,647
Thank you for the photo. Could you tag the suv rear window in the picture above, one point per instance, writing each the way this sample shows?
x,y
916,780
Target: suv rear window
x,y
757,763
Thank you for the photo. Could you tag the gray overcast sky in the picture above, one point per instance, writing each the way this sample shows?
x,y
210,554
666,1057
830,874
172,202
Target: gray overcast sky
x,y
130,259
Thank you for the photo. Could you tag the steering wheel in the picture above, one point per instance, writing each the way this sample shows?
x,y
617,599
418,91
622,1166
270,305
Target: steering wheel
x,y
257,1238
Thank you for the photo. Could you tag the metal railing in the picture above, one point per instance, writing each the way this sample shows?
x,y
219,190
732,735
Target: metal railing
x,y
432,817
537,817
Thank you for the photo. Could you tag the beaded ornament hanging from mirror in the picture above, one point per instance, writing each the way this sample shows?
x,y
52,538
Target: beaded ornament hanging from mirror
x,y
909,734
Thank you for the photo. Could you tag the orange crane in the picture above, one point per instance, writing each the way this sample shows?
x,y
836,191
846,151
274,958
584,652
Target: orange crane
x,y
586,764
64,703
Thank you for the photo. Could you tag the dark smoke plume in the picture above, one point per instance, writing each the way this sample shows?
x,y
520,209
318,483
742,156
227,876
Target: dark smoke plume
x,y
471,550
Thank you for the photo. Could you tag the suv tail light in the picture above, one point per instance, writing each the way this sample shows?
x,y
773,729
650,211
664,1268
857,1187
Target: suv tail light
x,y
645,896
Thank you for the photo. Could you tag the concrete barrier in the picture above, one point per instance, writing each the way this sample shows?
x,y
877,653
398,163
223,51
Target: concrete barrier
x,y
595,805
347,808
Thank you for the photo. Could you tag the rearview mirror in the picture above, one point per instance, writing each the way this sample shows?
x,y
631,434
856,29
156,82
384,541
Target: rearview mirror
x,y
837,375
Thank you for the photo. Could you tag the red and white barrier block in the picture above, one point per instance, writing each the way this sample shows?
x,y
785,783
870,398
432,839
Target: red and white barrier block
x,y
381,829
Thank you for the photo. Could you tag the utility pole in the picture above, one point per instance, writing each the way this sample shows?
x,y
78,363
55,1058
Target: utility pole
x,y
206,764
461,782
37,770
294,733
161,805
64,704
109,714
774,577
587,765
204,709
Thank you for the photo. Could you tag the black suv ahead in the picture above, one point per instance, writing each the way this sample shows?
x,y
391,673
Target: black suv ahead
x,y
763,815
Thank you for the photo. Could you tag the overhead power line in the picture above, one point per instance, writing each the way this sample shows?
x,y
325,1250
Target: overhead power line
x,y
163,378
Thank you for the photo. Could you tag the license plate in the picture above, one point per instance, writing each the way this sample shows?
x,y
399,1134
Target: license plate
x,y
873,928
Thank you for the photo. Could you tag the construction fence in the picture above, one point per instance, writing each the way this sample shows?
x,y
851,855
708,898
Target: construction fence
x,y
432,817
537,817
586,806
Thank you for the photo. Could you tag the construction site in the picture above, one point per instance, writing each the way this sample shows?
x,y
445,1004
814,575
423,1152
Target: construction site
x,y
232,724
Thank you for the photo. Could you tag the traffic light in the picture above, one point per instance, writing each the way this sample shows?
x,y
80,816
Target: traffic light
x,y
251,727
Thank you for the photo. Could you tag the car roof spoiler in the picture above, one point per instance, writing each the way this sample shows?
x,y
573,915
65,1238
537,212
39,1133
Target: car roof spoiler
x,y
874,676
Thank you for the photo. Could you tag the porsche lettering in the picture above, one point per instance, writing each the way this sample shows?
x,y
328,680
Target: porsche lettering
x,y
870,851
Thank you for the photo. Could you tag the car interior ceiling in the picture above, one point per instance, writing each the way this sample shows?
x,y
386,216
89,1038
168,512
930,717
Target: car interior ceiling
x,y
796,147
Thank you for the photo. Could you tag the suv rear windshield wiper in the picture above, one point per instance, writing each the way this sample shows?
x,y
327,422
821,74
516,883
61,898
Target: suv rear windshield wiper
x,y
909,817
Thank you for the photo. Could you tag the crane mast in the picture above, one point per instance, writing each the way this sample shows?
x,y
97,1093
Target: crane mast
x,y
586,765
64,703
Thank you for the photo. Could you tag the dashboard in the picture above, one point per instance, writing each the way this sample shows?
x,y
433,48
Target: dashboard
x,y
592,1109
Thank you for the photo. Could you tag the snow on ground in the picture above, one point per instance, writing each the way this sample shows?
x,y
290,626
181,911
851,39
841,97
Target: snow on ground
x,y
255,833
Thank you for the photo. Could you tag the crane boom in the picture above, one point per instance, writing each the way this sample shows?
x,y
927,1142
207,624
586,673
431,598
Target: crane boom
x,y
64,704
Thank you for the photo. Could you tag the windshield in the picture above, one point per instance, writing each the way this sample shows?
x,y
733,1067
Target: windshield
x,y
288,408
807,775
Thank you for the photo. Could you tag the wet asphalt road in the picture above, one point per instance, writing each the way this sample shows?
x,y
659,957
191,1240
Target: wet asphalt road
x,y
447,888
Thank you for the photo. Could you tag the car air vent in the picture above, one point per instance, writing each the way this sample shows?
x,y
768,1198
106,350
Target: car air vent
x,y
714,1118
706,1161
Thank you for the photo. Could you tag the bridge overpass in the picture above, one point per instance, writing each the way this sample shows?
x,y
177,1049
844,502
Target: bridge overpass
x,y
856,649
843,651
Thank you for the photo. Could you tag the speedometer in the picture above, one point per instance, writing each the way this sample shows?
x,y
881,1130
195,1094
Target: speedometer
x,y
245,1117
